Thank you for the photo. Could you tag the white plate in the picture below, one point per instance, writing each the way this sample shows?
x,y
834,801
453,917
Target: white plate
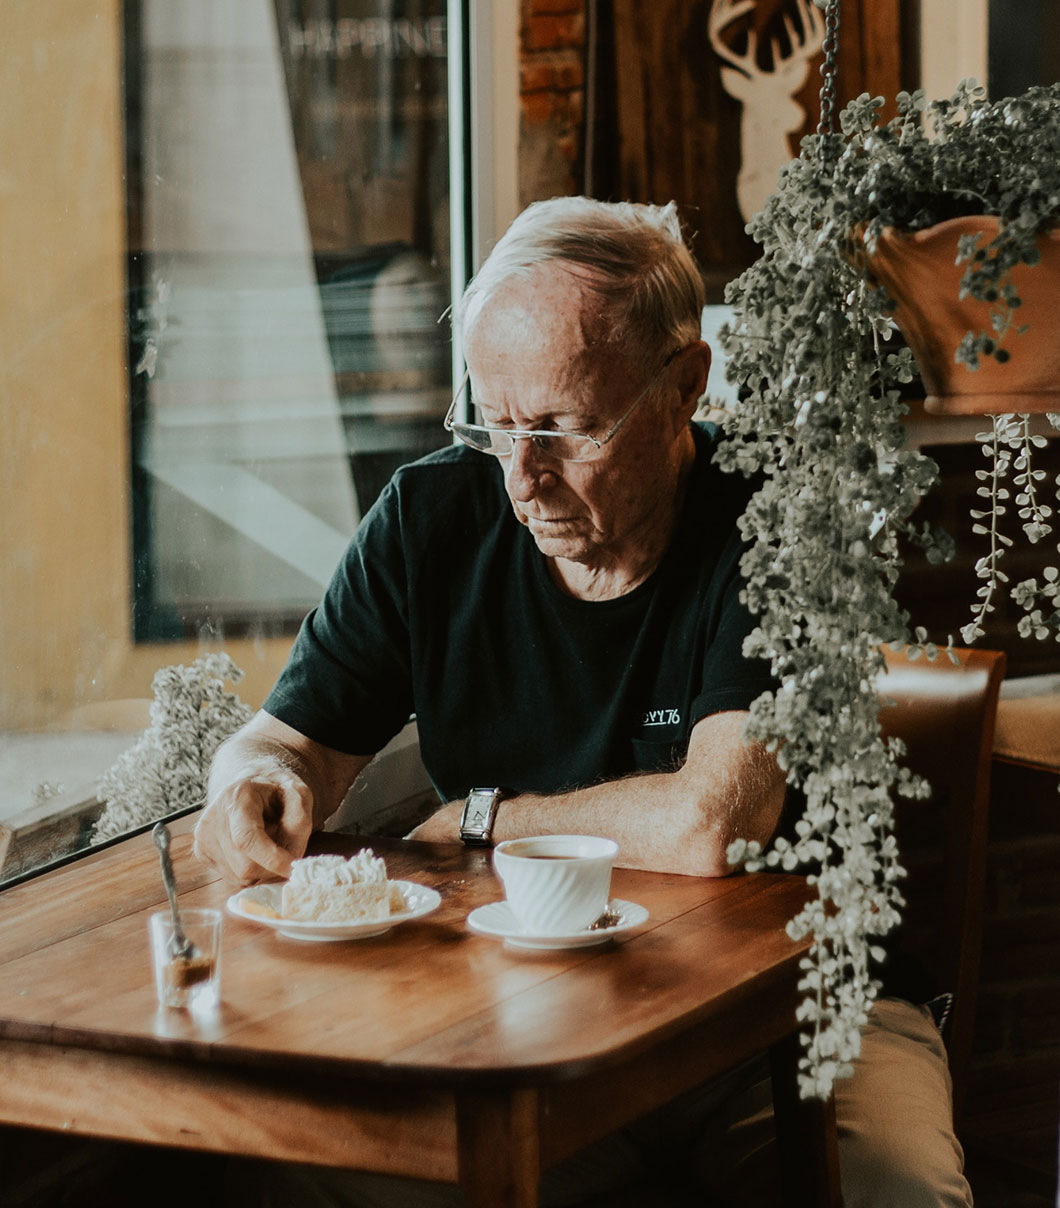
x,y
419,899
497,920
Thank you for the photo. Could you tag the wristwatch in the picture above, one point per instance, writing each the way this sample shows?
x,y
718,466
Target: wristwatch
x,y
480,813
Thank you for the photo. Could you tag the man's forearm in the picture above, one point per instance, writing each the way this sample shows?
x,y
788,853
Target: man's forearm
x,y
681,821
658,822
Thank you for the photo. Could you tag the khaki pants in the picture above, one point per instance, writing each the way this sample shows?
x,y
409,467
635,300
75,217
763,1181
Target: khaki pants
x,y
896,1141
714,1146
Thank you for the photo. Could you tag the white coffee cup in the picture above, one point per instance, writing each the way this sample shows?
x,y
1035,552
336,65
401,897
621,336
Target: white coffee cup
x,y
556,884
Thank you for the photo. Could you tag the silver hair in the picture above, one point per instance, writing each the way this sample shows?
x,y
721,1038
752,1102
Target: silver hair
x,y
636,258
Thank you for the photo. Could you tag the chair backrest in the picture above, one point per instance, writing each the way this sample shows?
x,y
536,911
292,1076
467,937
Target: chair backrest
x,y
945,713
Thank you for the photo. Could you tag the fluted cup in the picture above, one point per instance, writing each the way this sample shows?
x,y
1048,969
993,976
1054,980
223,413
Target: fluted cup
x,y
556,884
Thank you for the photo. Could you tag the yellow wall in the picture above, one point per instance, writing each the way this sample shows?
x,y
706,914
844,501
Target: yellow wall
x,y
65,615
952,49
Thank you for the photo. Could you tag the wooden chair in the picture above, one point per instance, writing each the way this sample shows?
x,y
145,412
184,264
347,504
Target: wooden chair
x,y
945,714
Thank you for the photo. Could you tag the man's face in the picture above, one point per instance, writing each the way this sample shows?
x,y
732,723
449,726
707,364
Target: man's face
x,y
539,359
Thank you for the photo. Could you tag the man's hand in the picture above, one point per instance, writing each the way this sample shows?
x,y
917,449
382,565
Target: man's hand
x,y
443,826
269,787
253,829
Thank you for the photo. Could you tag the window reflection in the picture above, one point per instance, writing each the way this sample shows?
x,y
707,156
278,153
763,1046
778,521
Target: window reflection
x,y
289,193
229,219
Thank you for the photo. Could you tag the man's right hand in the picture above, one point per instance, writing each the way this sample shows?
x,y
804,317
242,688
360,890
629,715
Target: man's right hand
x,y
254,828
269,787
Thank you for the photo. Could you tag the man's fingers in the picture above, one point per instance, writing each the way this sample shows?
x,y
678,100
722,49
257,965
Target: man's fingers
x,y
252,851
253,830
215,847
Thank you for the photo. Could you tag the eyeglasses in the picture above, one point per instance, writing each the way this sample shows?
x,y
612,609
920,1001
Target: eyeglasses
x,y
564,446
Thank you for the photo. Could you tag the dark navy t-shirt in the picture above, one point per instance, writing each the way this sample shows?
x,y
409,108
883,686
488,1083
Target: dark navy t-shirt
x,y
443,607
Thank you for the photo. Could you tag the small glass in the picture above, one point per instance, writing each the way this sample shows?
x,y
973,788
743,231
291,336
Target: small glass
x,y
192,982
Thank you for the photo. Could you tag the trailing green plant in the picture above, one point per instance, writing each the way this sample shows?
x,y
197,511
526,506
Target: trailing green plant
x,y
192,713
810,345
970,156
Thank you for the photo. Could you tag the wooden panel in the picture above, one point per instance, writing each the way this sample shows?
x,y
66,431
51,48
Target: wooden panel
x,y
671,130
577,1113
806,1136
941,597
498,1149
941,708
333,1123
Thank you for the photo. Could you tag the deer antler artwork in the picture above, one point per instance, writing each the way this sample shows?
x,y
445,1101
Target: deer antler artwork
x,y
767,94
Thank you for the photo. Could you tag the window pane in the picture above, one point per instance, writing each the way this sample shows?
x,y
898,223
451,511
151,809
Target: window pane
x,y
290,267
227,220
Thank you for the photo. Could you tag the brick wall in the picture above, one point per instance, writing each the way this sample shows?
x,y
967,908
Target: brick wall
x,y
552,94
1014,1086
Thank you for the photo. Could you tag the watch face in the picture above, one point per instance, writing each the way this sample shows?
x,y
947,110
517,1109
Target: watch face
x,y
478,808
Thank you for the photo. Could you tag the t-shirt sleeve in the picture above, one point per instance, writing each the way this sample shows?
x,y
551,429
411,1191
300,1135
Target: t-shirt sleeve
x,y
347,682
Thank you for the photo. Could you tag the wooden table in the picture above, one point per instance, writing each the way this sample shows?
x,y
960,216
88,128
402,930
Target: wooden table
x,y
428,1051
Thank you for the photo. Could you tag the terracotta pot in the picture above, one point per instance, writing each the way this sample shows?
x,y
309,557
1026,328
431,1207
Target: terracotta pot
x,y
919,269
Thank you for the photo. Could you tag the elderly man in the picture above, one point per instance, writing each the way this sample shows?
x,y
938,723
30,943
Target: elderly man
x,y
562,615
559,606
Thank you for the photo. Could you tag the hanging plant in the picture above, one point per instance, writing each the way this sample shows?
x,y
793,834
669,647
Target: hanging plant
x,y
811,347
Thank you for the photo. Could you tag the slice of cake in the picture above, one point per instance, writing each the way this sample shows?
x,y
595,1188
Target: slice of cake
x,y
332,889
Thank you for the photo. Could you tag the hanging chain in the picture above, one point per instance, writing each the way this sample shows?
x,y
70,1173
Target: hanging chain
x,y
828,68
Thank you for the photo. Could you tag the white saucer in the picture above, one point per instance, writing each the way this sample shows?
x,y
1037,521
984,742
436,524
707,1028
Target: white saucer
x,y
419,900
496,920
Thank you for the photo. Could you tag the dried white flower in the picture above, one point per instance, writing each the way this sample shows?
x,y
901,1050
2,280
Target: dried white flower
x,y
166,770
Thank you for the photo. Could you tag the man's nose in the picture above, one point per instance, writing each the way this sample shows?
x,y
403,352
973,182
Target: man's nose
x,y
526,470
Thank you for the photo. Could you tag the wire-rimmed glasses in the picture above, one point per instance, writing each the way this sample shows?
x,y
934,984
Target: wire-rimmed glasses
x,y
564,446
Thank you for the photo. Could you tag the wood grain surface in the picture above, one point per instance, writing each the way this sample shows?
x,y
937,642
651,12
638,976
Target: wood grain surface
x,y
411,1051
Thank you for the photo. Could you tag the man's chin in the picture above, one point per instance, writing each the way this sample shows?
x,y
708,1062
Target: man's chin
x,y
567,546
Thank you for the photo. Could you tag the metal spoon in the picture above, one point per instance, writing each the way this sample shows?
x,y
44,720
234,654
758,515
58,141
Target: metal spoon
x,y
609,918
180,947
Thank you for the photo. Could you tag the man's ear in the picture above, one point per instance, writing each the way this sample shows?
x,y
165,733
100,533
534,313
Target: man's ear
x,y
693,365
